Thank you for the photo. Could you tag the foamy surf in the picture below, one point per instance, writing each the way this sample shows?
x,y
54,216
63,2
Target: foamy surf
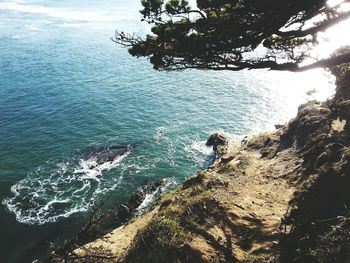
x,y
90,169
57,191
200,153
150,198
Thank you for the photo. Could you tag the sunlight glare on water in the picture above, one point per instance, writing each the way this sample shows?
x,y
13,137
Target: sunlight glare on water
x,y
67,89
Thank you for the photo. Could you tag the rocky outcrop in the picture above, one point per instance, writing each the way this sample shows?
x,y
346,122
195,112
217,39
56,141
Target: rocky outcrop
x,y
319,215
217,139
312,124
220,143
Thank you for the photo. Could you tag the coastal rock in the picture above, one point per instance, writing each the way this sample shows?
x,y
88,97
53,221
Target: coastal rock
x,y
220,144
105,154
216,139
125,211
110,154
266,143
313,123
279,126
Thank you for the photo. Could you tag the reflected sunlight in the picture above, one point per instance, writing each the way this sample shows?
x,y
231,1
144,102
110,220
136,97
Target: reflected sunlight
x,y
336,36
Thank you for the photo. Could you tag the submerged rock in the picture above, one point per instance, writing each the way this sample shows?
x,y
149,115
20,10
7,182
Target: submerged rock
x,y
106,154
110,154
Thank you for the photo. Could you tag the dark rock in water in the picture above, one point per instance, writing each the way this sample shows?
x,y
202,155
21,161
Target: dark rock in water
x,y
110,154
216,139
136,200
125,211
107,154
219,143
153,186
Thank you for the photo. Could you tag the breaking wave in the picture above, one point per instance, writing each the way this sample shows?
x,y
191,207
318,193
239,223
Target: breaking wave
x,y
58,190
150,198
200,153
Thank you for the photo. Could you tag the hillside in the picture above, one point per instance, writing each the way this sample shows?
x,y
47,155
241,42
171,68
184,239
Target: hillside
x,y
281,196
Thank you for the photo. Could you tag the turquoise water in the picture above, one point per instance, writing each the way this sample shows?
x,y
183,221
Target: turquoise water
x,y
66,88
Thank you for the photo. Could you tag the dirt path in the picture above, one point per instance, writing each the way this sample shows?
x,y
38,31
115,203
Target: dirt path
x,y
256,201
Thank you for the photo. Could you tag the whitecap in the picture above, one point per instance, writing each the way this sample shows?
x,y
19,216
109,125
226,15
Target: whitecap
x,y
57,191
200,153
201,147
159,134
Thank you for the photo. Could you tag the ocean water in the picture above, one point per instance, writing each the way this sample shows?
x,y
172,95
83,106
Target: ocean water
x,y
66,90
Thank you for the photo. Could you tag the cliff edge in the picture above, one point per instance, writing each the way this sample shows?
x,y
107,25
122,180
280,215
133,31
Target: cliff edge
x,y
281,196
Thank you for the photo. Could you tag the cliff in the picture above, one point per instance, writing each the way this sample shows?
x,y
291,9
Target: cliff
x,y
281,196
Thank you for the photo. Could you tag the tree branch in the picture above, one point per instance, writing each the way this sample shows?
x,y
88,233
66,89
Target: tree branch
x,y
271,65
313,30
328,62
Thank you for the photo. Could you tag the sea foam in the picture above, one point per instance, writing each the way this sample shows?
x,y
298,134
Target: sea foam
x,y
59,190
